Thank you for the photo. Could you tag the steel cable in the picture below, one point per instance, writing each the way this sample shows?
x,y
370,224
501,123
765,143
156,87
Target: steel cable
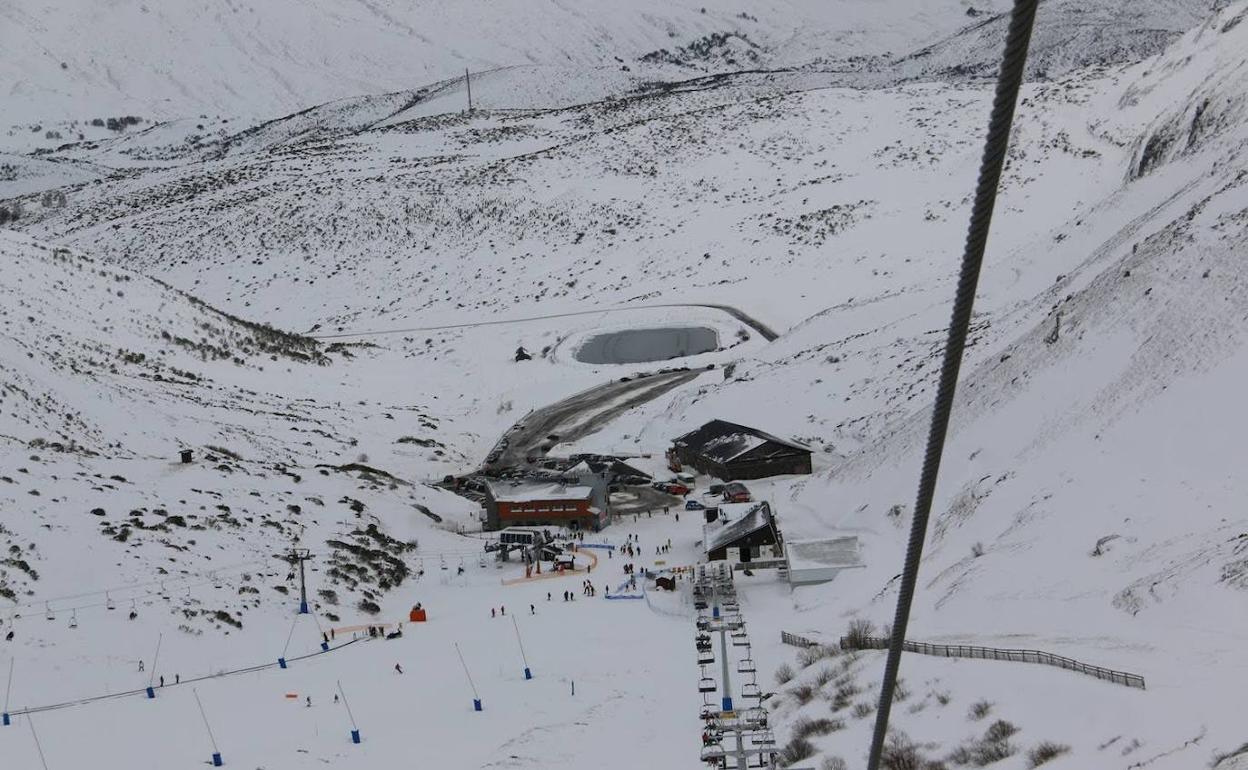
x,y
1009,80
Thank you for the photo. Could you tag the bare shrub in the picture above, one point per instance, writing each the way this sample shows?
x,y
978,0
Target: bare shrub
x,y
860,630
977,550
824,675
833,763
804,693
844,695
810,655
784,674
999,731
863,709
979,710
901,753
1049,750
796,750
804,727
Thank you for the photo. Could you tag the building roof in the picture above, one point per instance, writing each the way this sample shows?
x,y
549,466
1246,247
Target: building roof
x,y
722,441
837,552
736,521
525,491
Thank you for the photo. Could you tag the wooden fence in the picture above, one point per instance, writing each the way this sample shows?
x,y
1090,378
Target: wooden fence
x,y
797,641
993,653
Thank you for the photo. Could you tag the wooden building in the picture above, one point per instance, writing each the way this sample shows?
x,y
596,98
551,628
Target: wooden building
x,y
729,451
581,505
742,532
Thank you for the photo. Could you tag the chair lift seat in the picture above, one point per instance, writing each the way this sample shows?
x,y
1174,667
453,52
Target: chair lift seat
x,y
706,684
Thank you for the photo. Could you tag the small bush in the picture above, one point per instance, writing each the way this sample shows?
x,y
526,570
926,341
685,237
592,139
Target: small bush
x,y
901,753
784,674
833,763
824,675
977,550
863,709
844,696
804,693
999,731
979,710
860,629
1049,750
804,728
797,750
810,655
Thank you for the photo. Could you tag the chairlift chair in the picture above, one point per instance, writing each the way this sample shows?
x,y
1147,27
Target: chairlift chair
x,y
108,601
751,690
712,752
51,615
73,619
764,738
746,666
706,684
705,657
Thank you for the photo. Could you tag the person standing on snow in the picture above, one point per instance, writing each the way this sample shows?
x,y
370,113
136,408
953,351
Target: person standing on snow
x,y
398,668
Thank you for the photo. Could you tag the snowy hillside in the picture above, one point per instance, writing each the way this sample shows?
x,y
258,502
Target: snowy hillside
x,y
255,58
1090,504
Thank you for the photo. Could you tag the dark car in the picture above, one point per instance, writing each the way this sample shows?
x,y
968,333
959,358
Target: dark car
x,y
694,505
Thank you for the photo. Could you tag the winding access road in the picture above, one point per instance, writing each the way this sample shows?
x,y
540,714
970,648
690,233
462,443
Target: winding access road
x,y
579,415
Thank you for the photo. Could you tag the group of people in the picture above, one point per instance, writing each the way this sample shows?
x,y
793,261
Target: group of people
x,y
665,548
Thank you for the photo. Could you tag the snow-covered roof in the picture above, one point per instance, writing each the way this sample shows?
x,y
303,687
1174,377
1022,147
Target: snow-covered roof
x,y
736,520
523,491
823,552
723,441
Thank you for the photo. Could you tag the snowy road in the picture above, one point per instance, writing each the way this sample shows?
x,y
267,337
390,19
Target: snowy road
x,y
578,416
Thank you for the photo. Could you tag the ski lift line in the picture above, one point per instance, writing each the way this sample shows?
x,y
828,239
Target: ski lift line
x,y
350,716
290,635
996,144
475,694
38,745
219,675
159,638
520,642
207,727
132,586
8,688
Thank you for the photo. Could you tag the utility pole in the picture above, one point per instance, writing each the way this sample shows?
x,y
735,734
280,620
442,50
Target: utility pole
x,y
300,555
468,82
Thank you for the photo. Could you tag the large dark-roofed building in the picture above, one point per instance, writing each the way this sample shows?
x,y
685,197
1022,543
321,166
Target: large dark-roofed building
x,y
730,451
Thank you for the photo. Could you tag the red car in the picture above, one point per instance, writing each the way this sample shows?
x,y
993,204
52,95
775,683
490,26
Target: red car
x,y
677,489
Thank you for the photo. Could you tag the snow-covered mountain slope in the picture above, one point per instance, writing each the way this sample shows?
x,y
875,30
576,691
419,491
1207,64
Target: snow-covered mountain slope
x,y
1090,498
254,58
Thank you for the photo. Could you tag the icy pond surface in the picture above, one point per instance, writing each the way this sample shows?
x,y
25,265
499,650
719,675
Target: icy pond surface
x,y
639,345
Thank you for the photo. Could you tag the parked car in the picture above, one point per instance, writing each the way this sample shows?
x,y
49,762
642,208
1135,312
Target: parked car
x,y
660,486
694,505
715,489
677,489
736,492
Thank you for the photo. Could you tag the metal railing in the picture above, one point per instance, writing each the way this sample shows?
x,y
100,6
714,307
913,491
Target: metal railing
x,y
994,653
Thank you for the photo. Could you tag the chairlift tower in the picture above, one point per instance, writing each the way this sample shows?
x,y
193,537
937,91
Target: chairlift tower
x,y
299,556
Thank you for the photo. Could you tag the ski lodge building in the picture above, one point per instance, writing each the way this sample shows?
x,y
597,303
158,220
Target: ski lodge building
x,y
729,451
743,532
580,505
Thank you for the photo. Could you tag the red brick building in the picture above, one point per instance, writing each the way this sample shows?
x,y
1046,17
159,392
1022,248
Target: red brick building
x,y
544,503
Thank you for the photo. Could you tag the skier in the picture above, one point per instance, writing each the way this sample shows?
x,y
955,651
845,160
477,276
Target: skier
x,y
177,679
492,613
548,596
309,701
133,614
162,681
8,637
532,610
398,668
335,697
502,611
140,665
